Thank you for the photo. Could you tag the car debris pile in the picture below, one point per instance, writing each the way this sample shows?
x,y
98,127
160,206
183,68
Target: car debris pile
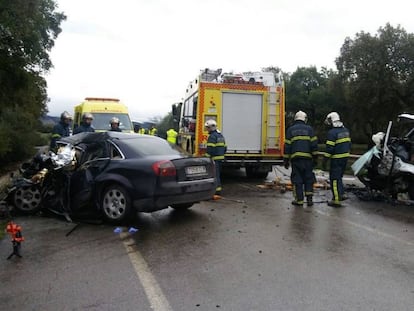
x,y
282,182
40,183
387,169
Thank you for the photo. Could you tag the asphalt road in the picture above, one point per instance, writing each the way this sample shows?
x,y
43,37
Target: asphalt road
x,y
251,250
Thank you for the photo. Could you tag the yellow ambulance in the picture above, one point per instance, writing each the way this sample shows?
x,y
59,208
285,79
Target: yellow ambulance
x,y
103,110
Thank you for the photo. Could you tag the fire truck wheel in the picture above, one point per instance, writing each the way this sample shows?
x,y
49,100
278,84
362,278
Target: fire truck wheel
x,y
27,199
253,172
116,204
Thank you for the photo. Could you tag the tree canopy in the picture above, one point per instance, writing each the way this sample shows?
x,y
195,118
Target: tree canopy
x,y
377,72
373,83
28,29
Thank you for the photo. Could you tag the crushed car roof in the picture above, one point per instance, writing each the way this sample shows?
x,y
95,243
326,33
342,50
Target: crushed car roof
x,y
406,117
90,137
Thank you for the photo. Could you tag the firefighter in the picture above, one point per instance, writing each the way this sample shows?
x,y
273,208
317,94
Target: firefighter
x,y
338,147
115,125
301,147
61,129
153,130
216,148
172,136
86,124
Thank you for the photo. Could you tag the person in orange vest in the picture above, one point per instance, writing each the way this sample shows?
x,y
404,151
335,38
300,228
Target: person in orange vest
x,y
17,238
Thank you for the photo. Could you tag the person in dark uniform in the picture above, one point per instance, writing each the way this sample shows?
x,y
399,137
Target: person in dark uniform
x,y
338,148
61,129
301,147
216,148
86,124
115,125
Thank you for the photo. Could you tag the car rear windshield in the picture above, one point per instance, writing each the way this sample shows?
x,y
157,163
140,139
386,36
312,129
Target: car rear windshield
x,y
148,146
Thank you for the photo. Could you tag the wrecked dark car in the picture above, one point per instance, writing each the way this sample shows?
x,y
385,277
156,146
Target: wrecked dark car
x,y
118,174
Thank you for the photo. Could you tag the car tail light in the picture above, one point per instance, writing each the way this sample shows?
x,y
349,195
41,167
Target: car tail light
x,y
164,168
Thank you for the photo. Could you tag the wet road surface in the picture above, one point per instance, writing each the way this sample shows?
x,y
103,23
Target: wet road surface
x,y
251,250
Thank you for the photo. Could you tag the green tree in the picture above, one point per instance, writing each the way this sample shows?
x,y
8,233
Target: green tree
x,y
28,29
165,124
317,92
378,76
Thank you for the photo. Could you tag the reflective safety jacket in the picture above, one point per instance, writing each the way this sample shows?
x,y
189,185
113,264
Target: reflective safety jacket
x,y
300,141
216,146
338,143
172,136
60,130
153,131
141,131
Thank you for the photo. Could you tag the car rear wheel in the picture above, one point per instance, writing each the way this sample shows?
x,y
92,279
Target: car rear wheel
x,y
116,204
182,207
27,199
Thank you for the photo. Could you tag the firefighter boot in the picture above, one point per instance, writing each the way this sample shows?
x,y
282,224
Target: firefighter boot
x,y
309,200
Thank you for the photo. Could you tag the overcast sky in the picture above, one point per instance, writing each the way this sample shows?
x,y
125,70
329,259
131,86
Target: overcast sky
x,y
145,52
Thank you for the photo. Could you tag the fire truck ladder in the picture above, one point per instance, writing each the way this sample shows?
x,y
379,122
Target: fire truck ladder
x,y
273,121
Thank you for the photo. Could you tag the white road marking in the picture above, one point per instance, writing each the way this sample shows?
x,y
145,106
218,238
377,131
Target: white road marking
x,y
369,229
156,297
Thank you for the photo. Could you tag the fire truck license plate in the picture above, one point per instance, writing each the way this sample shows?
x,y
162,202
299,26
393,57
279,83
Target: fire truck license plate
x,y
195,170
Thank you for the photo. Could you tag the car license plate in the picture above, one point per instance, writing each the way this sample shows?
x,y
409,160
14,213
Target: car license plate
x,y
195,170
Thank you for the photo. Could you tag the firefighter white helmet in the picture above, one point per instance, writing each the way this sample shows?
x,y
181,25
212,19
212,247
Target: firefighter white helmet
x,y
65,116
210,123
114,120
332,117
300,115
87,115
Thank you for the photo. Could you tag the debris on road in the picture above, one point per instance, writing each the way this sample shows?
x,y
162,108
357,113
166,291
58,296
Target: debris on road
x,y
132,230
282,181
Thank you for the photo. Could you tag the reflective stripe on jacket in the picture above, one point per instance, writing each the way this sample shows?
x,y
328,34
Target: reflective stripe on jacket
x,y
338,143
300,141
216,146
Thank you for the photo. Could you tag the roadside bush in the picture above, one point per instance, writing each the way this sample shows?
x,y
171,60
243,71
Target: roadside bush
x,y
18,136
